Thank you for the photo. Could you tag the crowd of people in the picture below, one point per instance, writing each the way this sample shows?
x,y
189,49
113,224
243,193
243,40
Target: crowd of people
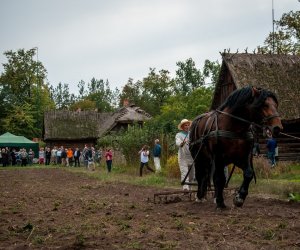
x,y
12,157
89,157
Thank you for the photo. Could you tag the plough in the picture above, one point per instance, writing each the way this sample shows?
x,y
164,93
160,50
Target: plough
x,y
182,195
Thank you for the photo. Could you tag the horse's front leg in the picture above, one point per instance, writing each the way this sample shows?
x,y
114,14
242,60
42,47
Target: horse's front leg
x,y
219,183
248,174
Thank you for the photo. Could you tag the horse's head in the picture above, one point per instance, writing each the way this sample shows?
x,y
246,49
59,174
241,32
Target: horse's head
x,y
268,110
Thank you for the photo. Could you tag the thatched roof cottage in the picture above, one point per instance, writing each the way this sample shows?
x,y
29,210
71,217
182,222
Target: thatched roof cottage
x,y
76,128
278,73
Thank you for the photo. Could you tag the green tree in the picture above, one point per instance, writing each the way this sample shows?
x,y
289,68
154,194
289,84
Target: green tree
x,y
157,88
100,93
22,85
132,91
188,77
211,70
21,121
83,105
286,38
21,74
182,106
61,96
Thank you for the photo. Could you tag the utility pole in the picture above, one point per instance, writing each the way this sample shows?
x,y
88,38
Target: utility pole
x,y
273,22
37,86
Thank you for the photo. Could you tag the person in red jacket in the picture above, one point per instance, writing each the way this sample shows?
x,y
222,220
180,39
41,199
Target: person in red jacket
x,y
108,156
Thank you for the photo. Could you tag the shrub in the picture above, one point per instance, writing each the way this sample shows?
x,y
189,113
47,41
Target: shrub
x,y
262,167
264,170
172,168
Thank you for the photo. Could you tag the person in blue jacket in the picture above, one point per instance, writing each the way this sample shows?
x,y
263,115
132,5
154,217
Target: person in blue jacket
x,y
157,155
271,146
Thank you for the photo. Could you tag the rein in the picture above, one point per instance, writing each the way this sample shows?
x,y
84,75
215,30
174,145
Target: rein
x,y
255,124
246,121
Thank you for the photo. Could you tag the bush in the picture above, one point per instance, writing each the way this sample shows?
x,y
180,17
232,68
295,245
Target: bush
x,y
172,168
263,169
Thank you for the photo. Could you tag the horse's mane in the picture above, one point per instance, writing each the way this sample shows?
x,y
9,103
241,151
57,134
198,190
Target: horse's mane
x,y
243,97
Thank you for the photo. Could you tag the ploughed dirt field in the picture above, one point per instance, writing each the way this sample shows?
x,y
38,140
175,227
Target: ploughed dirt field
x,y
59,209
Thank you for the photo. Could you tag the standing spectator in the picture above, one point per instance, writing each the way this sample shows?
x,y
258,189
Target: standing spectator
x,y
276,154
5,157
54,155
41,156
144,154
48,156
271,146
18,158
58,155
1,156
157,155
90,155
63,156
185,159
13,157
7,149
85,156
98,156
77,157
108,157
30,156
69,157
24,156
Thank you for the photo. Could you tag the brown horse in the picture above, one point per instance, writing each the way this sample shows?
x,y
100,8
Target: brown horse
x,y
225,136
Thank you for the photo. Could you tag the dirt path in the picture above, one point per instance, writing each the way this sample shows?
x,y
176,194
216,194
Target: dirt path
x,y
53,208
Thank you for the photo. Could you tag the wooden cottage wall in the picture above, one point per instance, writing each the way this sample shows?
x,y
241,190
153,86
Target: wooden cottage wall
x,y
71,143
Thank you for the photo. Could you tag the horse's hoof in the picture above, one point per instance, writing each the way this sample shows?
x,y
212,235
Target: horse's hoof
x,y
238,201
202,200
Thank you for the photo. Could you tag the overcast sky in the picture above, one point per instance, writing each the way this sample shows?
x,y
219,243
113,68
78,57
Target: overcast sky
x,y
121,39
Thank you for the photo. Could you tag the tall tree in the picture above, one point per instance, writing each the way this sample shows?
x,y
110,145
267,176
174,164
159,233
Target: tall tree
x,y
61,96
188,77
286,38
157,88
21,74
211,70
100,93
23,85
132,91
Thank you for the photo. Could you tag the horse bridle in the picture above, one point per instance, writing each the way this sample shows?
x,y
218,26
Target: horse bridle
x,y
270,117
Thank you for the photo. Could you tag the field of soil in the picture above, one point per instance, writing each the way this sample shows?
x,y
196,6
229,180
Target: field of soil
x,y
59,209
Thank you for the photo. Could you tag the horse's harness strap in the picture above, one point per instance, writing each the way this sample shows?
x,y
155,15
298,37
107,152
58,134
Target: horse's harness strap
x,y
221,133
267,118
231,135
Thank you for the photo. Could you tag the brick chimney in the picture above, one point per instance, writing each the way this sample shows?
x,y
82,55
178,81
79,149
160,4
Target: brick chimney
x,y
125,102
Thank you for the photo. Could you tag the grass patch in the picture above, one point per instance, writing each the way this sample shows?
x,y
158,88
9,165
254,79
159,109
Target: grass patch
x,y
268,234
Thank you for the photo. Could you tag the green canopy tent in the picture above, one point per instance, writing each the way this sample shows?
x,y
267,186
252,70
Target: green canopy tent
x,y
17,142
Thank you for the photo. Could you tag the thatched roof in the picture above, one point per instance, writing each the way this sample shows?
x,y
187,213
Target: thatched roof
x,y
132,113
277,73
68,125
